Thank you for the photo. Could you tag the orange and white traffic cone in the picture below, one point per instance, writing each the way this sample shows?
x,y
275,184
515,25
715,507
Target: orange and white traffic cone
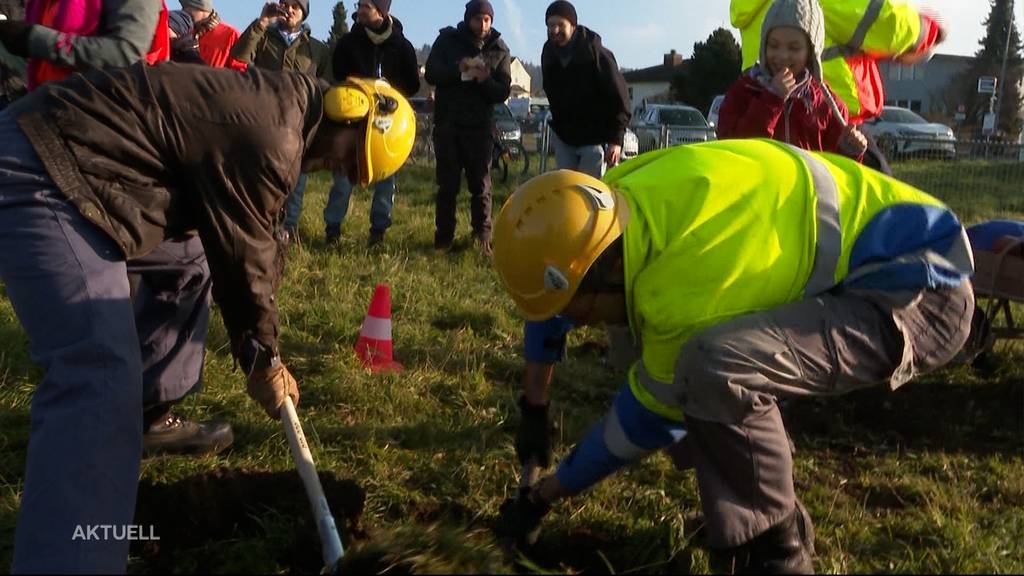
x,y
374,344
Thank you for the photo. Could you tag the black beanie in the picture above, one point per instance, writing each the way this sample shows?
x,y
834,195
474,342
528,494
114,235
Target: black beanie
x,y
564,9
477,7
180,22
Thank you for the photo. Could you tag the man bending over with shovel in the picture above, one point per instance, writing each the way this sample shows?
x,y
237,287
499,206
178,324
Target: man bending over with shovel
x,y
749,271
99,169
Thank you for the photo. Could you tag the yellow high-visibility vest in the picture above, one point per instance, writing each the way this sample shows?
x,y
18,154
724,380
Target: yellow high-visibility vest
x,y
726,228
876,28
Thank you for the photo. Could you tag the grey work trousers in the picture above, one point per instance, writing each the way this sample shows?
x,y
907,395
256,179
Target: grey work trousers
x,y
731,375
69,285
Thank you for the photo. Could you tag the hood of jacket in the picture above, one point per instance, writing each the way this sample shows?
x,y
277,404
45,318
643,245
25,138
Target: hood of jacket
x,y
588,45
462,33
803,14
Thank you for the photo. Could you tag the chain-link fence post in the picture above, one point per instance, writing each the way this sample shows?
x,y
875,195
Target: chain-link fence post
x,y
545,143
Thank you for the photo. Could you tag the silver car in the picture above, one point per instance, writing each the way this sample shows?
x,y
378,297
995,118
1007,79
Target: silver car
x,y
660,125
630,145
901,132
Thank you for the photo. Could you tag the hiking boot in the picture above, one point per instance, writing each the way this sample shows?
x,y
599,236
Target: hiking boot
x,y
332,234
785,548
444,245
375,238
175,435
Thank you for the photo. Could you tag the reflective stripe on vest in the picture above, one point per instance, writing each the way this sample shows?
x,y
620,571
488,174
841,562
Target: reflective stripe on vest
x,y
853,46
829,238
616,440
668,395
827,253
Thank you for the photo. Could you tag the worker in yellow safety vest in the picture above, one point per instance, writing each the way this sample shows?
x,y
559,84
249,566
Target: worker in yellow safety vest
x,y
858,33
747,271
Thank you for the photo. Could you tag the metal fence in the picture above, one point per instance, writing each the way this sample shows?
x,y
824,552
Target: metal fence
x,y
982,178
951,170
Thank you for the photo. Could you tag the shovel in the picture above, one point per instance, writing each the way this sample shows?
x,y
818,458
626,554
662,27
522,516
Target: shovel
x,y
528,477
330,542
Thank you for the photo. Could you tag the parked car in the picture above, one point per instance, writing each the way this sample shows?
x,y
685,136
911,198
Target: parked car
x,y
423,108
901,132
539,113
716,105
520,107
506,126
630,145
685,125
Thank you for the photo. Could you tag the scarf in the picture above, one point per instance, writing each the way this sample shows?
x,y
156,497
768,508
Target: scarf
x,y
381,34
802,90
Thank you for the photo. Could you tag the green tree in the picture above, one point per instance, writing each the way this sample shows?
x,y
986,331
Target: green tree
x,y
340,26
988,61
714,67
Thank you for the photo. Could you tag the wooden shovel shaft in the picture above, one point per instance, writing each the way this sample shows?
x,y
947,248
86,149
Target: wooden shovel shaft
x,y
330,542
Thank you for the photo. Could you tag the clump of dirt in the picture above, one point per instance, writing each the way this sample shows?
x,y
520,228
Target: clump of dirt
x,y
433,549
228,504
576,551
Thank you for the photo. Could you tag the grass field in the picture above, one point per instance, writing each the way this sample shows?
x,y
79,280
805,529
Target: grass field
x,y
927,479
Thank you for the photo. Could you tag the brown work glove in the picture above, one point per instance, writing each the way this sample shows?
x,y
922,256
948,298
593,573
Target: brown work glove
x,y
269,386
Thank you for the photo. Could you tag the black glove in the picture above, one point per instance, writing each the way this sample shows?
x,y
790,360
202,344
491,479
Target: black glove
x,y
533,439
519,518
14,36
185,49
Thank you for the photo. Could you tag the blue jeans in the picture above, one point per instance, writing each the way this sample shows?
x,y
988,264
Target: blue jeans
x,y
380,208
68,283
585,159
293,204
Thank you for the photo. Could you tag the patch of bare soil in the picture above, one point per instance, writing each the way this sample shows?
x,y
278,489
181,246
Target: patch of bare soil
x,y
224,505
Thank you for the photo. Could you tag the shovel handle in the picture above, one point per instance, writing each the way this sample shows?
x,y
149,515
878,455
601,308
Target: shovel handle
x,y
330,542
529,474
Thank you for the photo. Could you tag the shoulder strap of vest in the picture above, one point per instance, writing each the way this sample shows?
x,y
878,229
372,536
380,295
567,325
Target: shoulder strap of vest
x,y
853,46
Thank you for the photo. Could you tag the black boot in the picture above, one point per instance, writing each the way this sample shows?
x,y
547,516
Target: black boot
x,y
332,234
785,548
171,434
375,239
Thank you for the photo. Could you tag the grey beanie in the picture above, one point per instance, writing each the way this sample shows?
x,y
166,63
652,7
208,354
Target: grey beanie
x,y
198,4
803,14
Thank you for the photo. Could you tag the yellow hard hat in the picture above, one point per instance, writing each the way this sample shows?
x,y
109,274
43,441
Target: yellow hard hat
x,y
548,234
390,124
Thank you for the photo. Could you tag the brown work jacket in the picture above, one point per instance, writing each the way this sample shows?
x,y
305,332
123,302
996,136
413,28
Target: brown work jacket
x,y
149,153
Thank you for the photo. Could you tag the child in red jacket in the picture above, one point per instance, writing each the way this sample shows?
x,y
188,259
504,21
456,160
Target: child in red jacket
x,y
783,96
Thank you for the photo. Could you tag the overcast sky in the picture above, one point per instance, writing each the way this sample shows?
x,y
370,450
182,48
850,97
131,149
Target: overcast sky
x,y
638,31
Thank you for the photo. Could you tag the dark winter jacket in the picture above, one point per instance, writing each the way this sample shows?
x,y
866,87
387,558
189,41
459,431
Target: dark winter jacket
x,y
467,104
589,99
394,59
752,110
149,153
